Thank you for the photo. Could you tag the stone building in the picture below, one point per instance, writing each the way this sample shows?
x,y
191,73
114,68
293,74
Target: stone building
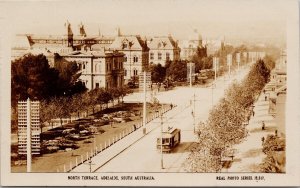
x,y
99,69
191,47
136,52
162,49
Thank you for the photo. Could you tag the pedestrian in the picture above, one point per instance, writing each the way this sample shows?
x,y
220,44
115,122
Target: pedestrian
x,y
134,126
262,141
171,106
263,125
253,113
266,97
264,91
276,133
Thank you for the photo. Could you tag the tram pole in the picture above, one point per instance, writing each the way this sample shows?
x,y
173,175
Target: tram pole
x,y
161,141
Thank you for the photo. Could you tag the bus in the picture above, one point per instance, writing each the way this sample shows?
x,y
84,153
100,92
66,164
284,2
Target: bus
x,y
170,139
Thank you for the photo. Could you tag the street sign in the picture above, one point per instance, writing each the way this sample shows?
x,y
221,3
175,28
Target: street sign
x,y
148,81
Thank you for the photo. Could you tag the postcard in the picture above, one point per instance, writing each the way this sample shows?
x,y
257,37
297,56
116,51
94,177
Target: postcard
x,y
149,93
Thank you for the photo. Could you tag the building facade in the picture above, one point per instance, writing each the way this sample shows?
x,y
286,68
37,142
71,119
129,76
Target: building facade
x,y
136,52
277,88
162,49
191,47
99,69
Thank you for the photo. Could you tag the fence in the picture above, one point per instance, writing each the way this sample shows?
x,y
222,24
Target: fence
x,y
86,159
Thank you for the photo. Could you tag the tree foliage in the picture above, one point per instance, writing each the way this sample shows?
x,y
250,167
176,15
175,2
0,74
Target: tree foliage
x,y
158,73
226,125
177,70
32,77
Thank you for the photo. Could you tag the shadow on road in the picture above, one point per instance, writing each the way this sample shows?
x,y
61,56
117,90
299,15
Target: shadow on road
x,y
182,147
268,129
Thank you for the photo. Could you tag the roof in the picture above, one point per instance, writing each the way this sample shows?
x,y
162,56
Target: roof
x,y
92,54
162,43
20,41
130,42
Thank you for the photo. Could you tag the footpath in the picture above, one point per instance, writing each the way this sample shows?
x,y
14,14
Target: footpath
x,y
248,154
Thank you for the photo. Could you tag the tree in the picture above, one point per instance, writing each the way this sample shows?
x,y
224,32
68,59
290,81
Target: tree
x,y
202,62
68,76
158,73
104,97
32,77
177,70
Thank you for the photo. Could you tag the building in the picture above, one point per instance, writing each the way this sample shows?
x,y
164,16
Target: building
x,y
162,49
191,47
99,69
136,58
61,44
28,115
278,89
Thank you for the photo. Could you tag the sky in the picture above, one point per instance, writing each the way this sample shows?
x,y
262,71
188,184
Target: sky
x,y
239,19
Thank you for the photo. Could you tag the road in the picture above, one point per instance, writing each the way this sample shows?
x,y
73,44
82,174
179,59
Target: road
x,y
142,155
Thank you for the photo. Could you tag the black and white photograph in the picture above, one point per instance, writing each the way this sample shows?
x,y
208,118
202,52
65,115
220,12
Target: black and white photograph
x,y
149,93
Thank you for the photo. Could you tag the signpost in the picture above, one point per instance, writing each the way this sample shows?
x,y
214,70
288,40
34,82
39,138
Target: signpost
x,y
145,83
191,73
28,129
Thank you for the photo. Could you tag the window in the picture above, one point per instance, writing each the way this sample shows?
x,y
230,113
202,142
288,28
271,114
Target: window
x,y
151,55
125,58
159,56
124,45
135,59
97,85
167,56
135,72
97,68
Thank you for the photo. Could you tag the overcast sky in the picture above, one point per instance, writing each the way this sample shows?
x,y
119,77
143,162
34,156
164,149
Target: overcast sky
x,y
230,18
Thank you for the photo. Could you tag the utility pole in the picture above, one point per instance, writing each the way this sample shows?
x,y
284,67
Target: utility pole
x,y
161,141
194,114
144,107
190,75
28,135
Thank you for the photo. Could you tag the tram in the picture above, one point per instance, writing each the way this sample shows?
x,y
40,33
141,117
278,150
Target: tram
x,y
170,139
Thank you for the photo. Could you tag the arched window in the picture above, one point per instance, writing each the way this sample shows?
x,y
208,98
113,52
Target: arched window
x,y
135,59
97,68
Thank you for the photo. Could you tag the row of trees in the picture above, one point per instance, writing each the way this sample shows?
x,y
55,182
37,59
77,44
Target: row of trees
x,y
226,124
177,70
65,106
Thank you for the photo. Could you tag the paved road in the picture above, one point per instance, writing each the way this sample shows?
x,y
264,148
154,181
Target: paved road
x,y
142,155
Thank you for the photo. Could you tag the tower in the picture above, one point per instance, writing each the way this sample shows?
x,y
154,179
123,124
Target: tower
x,y
119,32
82,30
199,40
69,34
